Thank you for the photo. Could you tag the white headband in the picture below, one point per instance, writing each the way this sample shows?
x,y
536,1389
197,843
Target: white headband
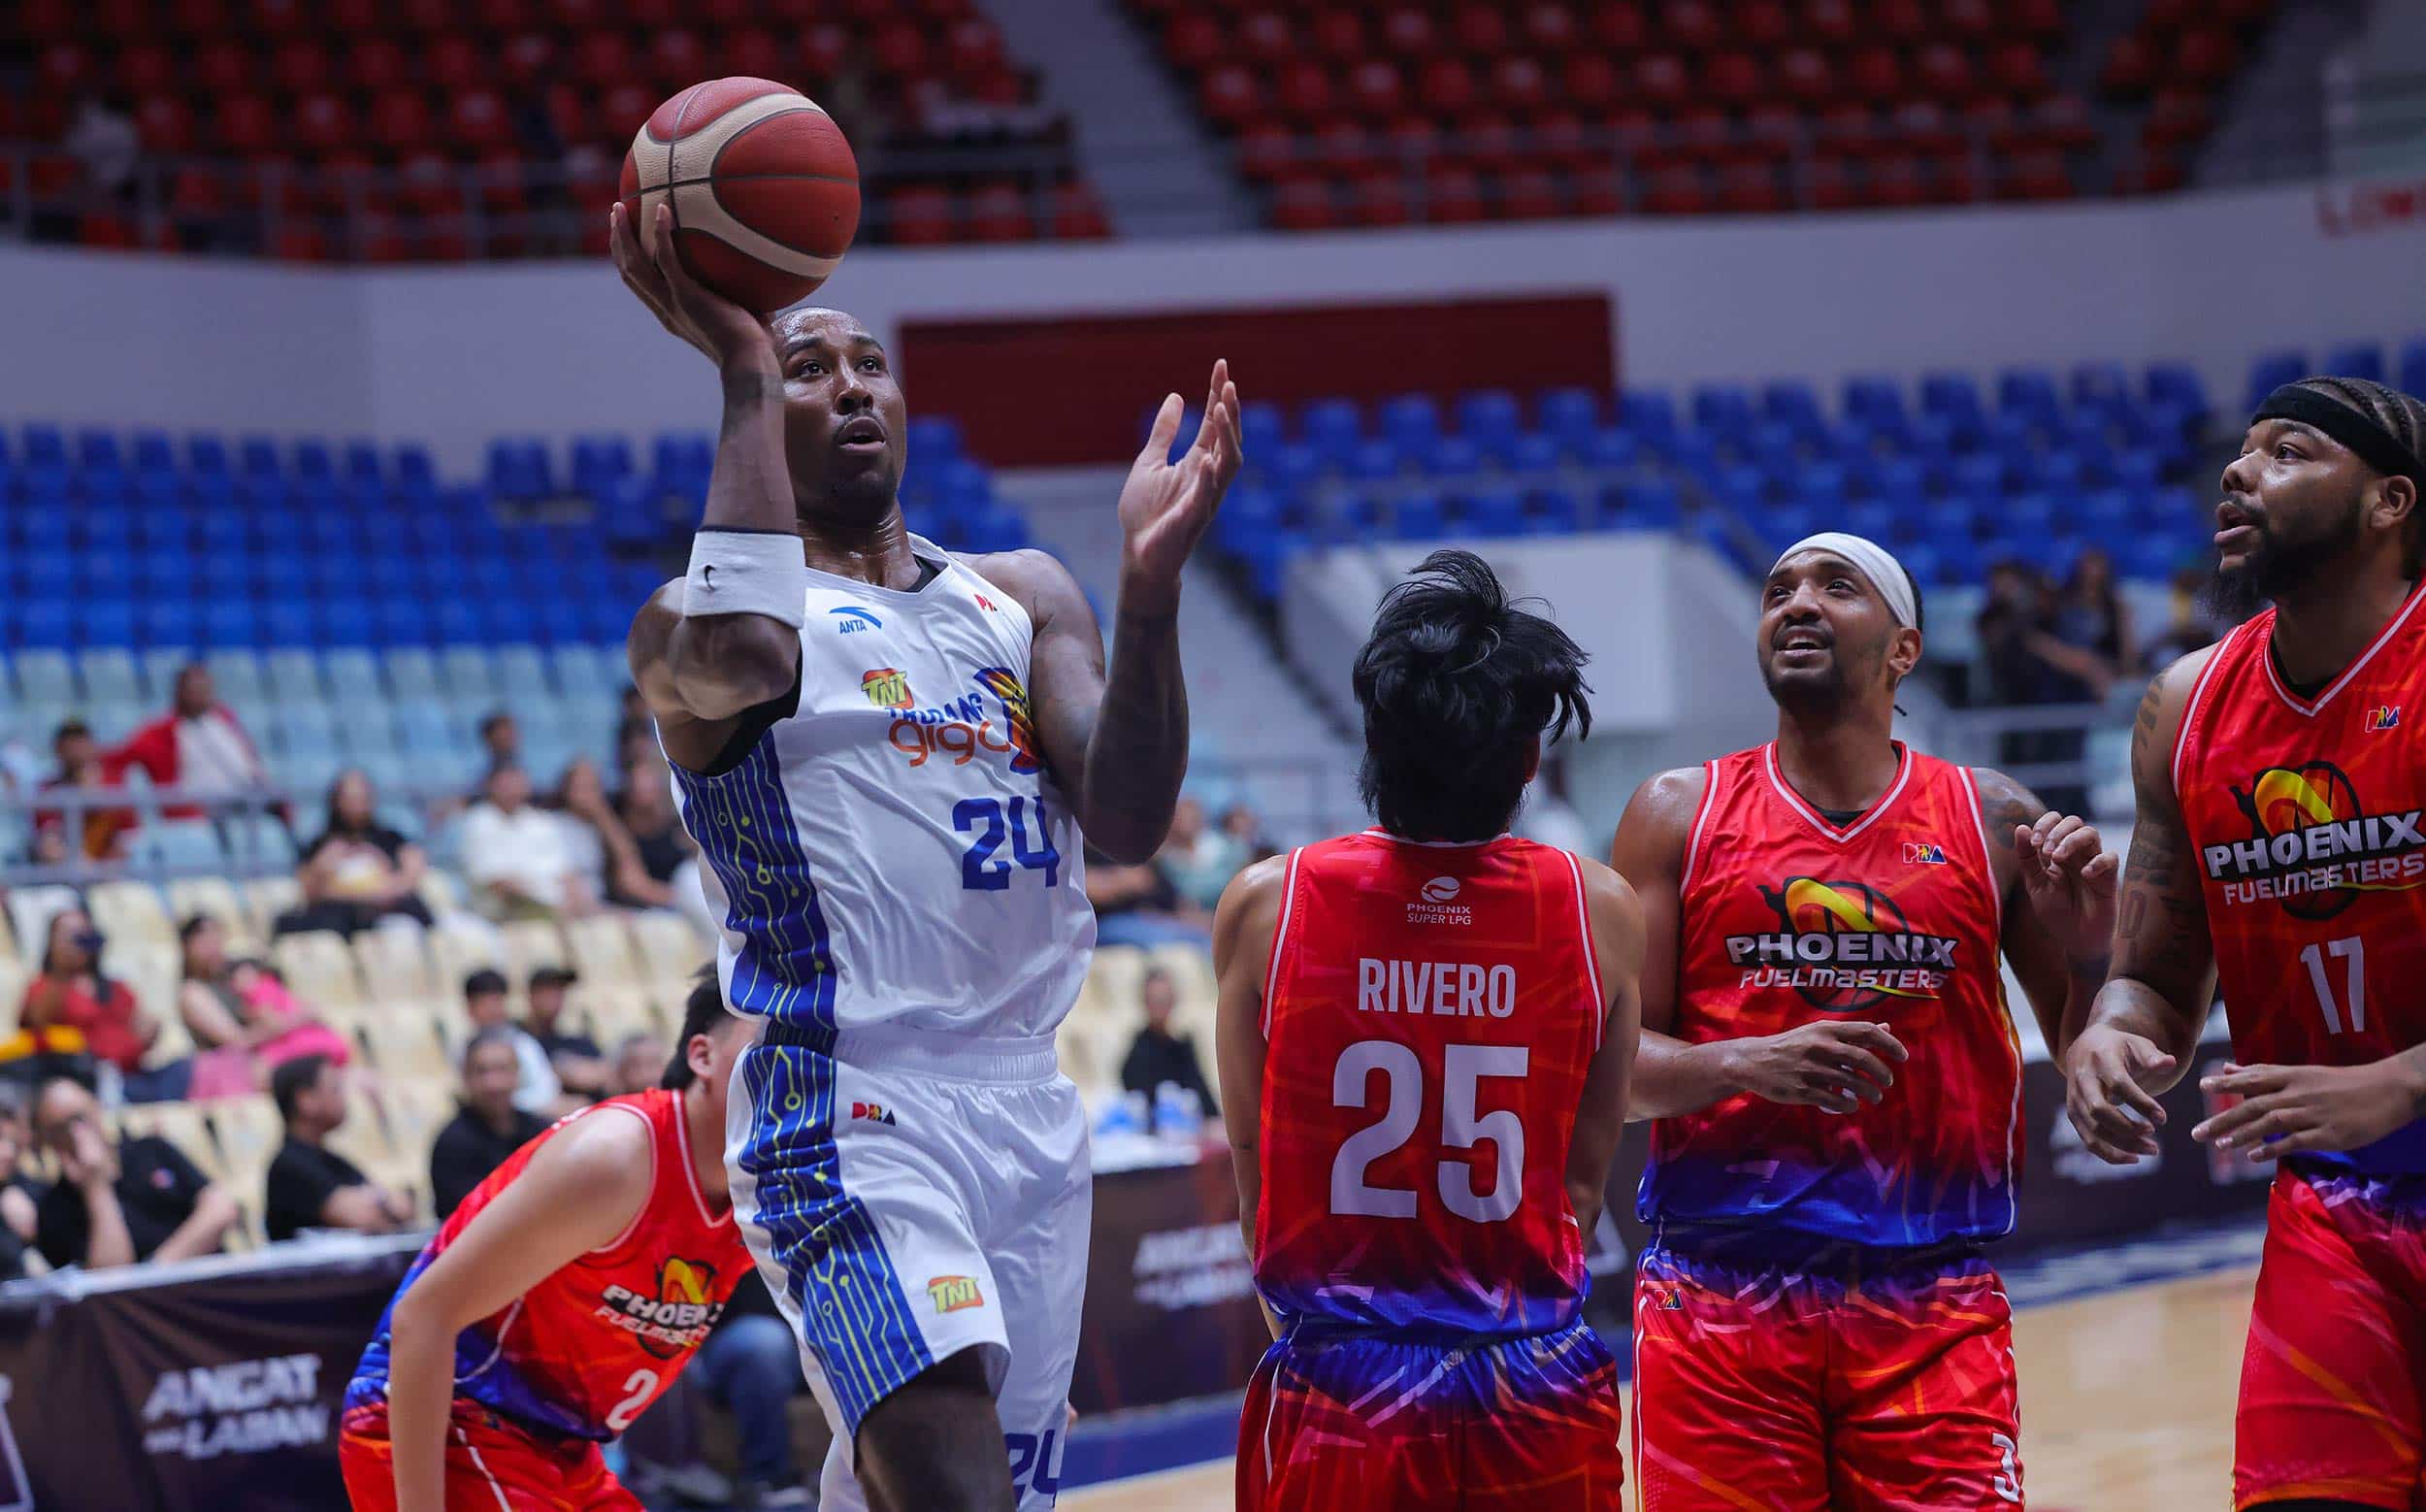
x,y
1875,563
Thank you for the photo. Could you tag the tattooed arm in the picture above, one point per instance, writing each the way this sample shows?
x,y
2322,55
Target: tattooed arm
x,y
2057,883
2145,1020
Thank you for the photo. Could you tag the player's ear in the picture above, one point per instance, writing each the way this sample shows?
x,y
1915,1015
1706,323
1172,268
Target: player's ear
x,y
1903,652
1534,760
2395,502
700,1052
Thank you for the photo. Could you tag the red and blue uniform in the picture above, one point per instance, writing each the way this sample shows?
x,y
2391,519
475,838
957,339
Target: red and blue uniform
x,y
543,1381
1430,1013
1816,1327
2308,815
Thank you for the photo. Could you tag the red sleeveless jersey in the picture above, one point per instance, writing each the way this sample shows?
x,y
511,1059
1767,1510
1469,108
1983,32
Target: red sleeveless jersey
x,y
1894,918
1429,1014
584,1352
2306,815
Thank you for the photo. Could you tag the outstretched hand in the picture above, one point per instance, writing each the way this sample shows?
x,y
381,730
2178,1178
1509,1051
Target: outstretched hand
x,y
725,332
2069,876
1166,505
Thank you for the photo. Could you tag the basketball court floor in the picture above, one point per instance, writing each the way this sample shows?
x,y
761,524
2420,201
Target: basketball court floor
x,y
2130,1361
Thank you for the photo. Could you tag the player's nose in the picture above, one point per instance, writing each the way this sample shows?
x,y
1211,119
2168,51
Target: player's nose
x,y
2241,474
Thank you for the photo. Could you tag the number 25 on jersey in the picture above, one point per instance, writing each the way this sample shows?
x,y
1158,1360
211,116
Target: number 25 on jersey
x,y
1462,1068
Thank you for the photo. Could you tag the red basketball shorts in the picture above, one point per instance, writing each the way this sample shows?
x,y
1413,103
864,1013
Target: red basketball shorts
x,y
1357,1424
2333,1384
491,1464
1872,1388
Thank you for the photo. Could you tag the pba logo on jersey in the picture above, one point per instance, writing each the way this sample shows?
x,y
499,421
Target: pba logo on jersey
x,y
873,1112
674,1320
2383,716
954,1293
1844,946
1924,853
886,687
2313,846
993,718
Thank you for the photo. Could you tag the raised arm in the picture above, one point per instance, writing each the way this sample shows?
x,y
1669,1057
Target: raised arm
x,y
1117,742
2057,882
699,667
1242,949
1615,918
581,1189
1832,1065
2145,1020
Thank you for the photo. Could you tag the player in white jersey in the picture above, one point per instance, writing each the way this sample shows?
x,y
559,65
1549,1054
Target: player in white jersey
x,y
887,756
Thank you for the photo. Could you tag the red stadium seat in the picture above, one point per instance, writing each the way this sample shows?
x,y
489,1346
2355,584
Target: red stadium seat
x,y
1953,178
1689,24
225,67
477,121
341,183
1378,200
1266,37
353,18
1488,143
1303,91
2205,55
918,216
377,63
1973,21
1303,204
1230,96
320,124
166,124
1735,79
1412,141
149,71
280,17
51,20
1195,41
1452,195
1340,148
2018,69
1677,191
1531,194
1619,27
296,241
753,50
1944,72
430,183
399,120
823,50
1337,36
1479,31
1805,74
1517,86
1268,151
1899,20
197,194
1376,89
601,59
454,63
1876,74
1831,23
1828,183
1773,132
1549,28
1560,140
1599,191
1661,79
426,16
1410,34
249,126
2175,119
1760,24
1446,86
1078,214
194,18
65,67
1851,128
1591,83
2043,19
2130,67
2152,174
1922,126
1895,181
621,111
973,50
527,59
2038,175
1749,189
301,65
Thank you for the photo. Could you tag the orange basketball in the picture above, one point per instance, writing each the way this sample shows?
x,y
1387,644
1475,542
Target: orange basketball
x,y
764,189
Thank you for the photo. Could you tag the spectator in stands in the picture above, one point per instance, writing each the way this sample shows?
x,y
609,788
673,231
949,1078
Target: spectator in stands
x,y
517,856
1246,831
751,1365
1137,905
100,834
2092,627
644,877
537,1091
71,994
581,1067
1196,859
104,139
2194,625
115,1205
501,741
594,833
243,1020
18,1210
1549,818
310,1185
197,745
1158,1056
490,1127
640,1060
358,871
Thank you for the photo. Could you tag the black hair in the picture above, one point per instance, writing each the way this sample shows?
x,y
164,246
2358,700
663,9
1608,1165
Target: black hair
x,y
292,1079
702,1011
194,924
1458,684
69,728
2399,416
506,1035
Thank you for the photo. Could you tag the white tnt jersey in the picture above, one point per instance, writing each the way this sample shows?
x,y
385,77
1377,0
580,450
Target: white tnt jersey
x,y
894,851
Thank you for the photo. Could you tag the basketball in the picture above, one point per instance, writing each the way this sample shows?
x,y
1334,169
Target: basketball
x,y
764,189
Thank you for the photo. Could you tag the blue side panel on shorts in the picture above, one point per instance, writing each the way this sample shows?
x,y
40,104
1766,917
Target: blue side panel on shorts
x,y
853,1311
742,820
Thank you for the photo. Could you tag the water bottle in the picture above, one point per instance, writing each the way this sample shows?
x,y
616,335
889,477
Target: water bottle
x,y
1171,1118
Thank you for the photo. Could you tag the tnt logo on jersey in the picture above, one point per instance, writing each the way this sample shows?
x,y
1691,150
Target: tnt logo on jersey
x,y
993,718
674,1320
1844,946
2383,716
953,1293
2313,846
886,687
1924,853
1439,904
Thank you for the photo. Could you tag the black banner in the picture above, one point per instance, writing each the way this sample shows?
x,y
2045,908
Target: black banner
x,y
197,1390
1170,1308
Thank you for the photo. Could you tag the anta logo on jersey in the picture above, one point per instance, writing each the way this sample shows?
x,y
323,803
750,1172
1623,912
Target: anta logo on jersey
x,y
674,1320
993,718
2313,846
850,619
1844,946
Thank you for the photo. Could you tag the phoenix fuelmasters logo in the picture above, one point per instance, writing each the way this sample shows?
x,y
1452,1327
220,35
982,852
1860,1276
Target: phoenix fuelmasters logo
x,y
1845,946
2313,846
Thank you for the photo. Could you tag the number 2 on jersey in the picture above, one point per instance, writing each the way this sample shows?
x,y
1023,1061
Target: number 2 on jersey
x,y
984,872
2353,950
1463,1068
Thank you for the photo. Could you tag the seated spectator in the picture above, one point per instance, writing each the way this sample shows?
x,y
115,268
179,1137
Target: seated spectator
x,y
96,834
640,1060
489,1127
1547,818
70,993
197,745
643,876
1137,905
593,829
2092,627
501,744
243,1020
1246,831
358,871
1196,859
115,1205
2194,625
751,1366
537,1091
517,857
581,1067
311,1186
19,1197
1158,1056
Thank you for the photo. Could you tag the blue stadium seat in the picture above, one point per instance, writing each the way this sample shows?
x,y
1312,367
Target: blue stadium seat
x,y
2058,471
1569,416
1372,461
231,622
2356,359
1787,523
168,622
1489,417
1454,457
1878,522
207,455
1531,454
1410,421
2414,367
1497,514
1977,471
314,460
105,622
1793,403
599,461
362,463
1723,408
2273,369
2101,385
153,452
414,467
98,450
1655,503
1649,413
1553,512
46,445
1613,449
2177,385
1876,401
257,457
2029,392
287,622
1419,517
1261,427
1954,399
156,493
1331,427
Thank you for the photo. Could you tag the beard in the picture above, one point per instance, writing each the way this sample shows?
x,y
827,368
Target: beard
x,y
1820,692
2278,566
